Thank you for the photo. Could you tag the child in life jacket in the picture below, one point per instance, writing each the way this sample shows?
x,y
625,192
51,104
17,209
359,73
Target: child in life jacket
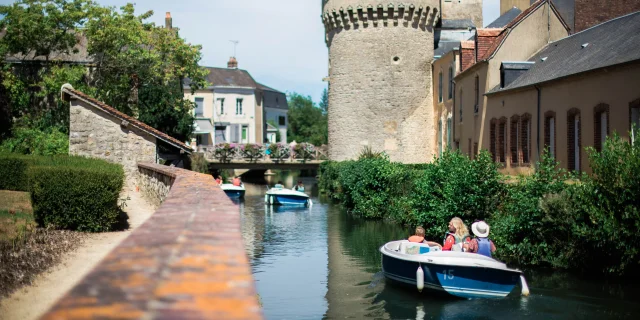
x,y
456,237
481,244
419,238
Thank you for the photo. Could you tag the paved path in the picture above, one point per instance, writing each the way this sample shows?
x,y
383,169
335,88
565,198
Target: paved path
x,y
33,301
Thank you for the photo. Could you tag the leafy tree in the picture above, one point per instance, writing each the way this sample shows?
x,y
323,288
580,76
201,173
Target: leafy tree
x,y
324,101
139,67
307,123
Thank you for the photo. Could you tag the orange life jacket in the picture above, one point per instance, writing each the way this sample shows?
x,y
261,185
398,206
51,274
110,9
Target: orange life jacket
x,y
416,239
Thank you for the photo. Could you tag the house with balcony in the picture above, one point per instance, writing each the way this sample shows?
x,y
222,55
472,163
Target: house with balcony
x,y
234,108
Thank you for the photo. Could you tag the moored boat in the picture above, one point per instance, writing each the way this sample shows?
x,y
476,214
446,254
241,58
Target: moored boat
x,y
232,191
286,197
459,274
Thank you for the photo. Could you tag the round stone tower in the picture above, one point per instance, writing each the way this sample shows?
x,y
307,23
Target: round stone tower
x,y
380,93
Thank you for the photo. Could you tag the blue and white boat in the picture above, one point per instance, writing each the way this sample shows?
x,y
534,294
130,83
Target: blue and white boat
x,y
286,197
232,191
459,274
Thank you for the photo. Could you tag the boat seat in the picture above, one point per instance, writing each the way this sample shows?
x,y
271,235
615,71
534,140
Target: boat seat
x,y
407,247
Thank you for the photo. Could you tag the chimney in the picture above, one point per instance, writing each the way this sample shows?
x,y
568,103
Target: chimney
x,y
233,63
168,22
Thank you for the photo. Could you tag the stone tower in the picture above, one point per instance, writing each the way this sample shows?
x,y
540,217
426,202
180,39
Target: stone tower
x,y
380,55
463,9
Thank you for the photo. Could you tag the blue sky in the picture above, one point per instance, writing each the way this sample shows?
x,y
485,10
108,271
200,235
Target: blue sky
x,y
281,41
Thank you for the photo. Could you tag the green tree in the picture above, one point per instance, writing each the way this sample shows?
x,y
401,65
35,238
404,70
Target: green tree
x,y
307,123
324,101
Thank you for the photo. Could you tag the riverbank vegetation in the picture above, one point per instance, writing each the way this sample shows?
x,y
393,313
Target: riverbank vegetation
x,y
550,218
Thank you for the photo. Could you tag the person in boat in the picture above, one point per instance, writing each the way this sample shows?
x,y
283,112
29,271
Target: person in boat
x,y
219,180
299,187
236,181
456,237
481,244
419,238
279,185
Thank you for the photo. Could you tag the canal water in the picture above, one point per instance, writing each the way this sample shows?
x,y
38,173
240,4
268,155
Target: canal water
x,y
321,263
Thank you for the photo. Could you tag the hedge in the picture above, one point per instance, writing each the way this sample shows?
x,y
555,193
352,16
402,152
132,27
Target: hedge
x,y
67,192
548,219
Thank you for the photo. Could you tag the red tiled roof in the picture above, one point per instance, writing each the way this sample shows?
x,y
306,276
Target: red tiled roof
x,y
139,124
485,52
470,44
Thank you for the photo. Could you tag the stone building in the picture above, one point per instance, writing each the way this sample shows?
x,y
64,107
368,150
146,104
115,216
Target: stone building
x,y
570,95
521,38
97,130
380,74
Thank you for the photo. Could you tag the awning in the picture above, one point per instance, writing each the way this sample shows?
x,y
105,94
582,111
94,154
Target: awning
x,y
203,127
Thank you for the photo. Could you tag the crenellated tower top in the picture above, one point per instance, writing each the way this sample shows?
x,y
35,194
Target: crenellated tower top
x,y
338,14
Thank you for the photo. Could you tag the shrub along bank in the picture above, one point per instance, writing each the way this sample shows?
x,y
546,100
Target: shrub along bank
x,y
548,219
66,192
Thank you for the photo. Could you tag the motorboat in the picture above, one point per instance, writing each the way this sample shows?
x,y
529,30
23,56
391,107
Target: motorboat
x,y
460,274
287,197
234,192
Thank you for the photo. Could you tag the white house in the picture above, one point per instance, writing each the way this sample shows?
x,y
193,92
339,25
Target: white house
x,y
236,109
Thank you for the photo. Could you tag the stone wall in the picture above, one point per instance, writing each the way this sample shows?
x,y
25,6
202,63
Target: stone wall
x,y
97,134
465,9
154,185
380,91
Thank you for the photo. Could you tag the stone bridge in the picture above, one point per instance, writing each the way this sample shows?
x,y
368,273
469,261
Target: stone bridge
x,y
296,156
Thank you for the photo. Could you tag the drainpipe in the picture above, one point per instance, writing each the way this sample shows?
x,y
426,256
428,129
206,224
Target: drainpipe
x,y
453,115
538,120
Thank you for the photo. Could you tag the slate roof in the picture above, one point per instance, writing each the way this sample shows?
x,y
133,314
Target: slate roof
x,y
265,88
457,24
67,89
504,19
443,47
225,77
611,43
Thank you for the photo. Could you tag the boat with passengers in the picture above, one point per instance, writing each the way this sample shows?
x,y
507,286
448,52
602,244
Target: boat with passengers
x,y
459,274
233,191
281,196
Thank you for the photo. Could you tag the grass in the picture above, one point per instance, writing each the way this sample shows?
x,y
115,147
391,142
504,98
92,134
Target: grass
x,y
16,216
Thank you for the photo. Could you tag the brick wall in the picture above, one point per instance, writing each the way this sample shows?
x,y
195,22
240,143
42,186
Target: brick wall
x,y
186,262
589,13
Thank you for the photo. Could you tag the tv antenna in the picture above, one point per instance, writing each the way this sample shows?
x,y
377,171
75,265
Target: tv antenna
x,y
235,44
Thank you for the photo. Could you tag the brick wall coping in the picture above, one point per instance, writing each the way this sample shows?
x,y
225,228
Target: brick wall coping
x,y
187,261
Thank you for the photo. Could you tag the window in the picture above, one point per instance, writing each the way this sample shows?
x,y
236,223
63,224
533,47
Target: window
x,y
634,120
440,87
601,125
476,107
450,83
449,135
502,140
573,139
440,138
221,103
514,140
550,133
282,121
238,106
460,105
199,107
525,138
493,140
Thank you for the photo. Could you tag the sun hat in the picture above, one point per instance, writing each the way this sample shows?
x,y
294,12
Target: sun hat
x,y
480,229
